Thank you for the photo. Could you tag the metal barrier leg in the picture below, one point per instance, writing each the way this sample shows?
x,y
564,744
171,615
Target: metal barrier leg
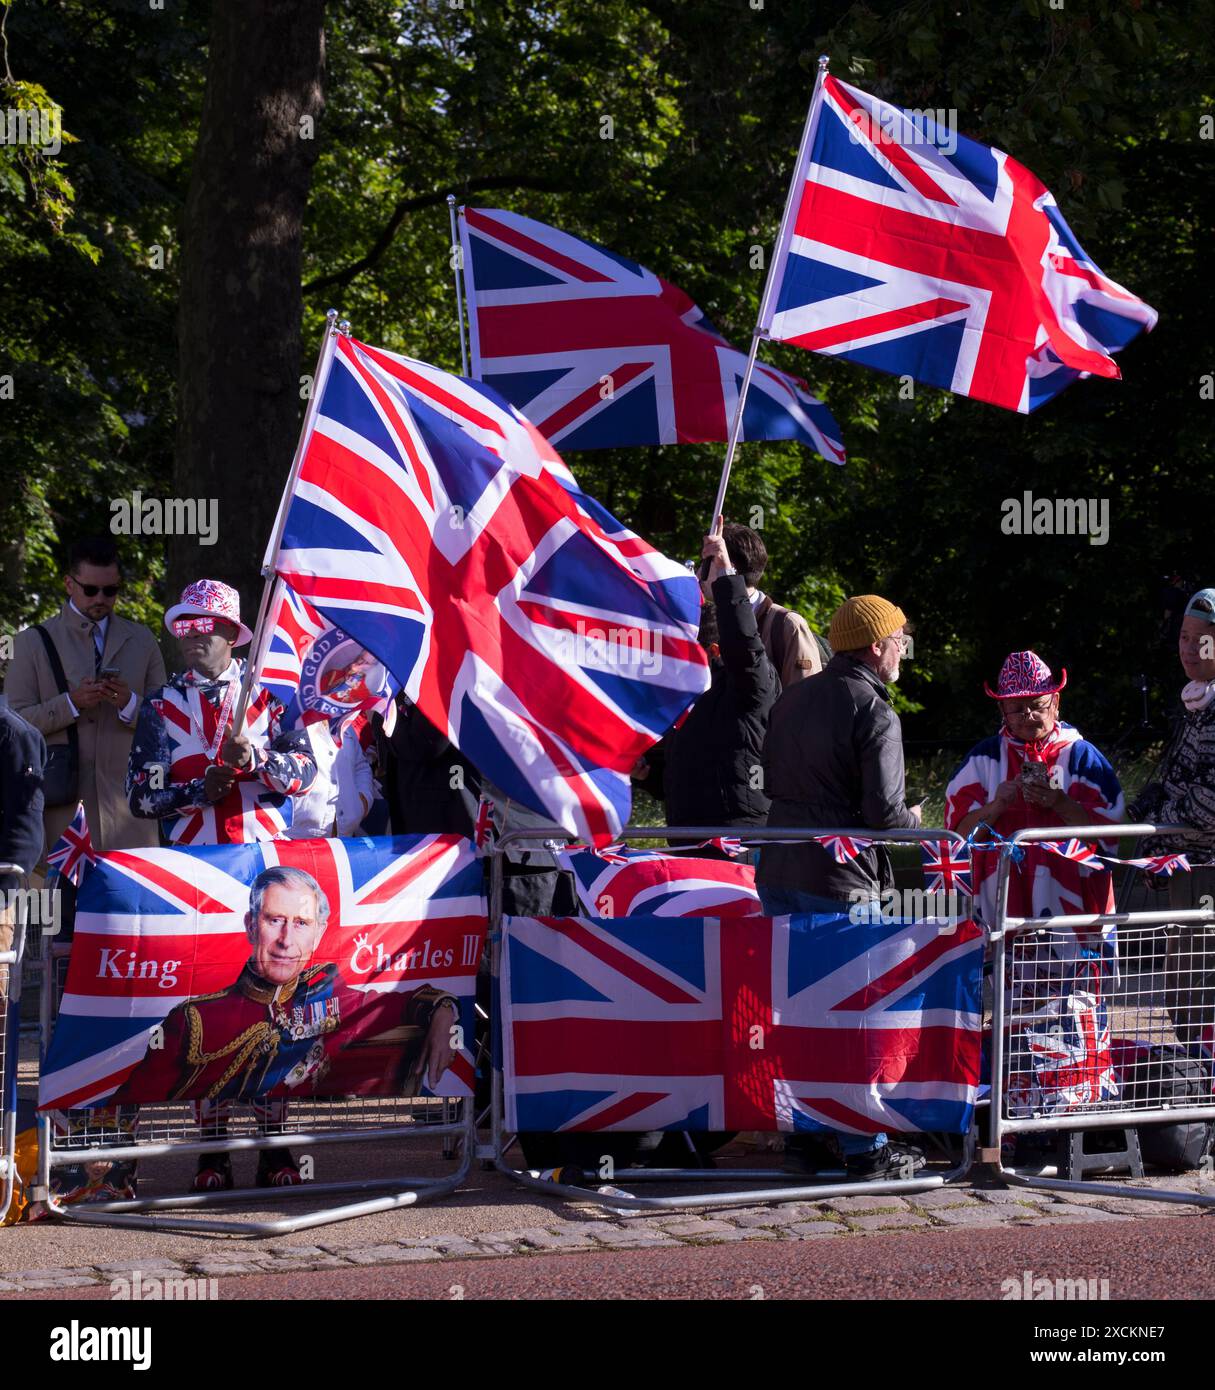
x,y
129,1213
624,1203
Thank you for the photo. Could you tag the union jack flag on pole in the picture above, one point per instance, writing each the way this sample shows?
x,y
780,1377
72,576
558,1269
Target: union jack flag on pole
x,y
918,251
74,849
598,352
438,529
651,1023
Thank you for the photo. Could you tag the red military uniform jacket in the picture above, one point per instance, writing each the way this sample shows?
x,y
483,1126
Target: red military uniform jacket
x,y
312,1034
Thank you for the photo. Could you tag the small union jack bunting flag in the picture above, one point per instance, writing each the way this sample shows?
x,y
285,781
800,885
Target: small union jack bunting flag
x,y
946,867
1078,852
1167,864
845,848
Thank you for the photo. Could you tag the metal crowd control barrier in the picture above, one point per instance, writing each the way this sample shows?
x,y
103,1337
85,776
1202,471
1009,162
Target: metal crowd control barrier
x,y
793,1187
14,914
159,1130
1024,961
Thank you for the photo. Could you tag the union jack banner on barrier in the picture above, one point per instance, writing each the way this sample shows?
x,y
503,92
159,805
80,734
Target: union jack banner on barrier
x,y
917,251
600,353
74,849
175,991
803,1023
620,882
439,530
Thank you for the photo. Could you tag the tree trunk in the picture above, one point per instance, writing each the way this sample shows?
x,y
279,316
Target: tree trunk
x,y
239,404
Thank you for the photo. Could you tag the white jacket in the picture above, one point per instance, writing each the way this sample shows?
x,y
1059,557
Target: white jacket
x,y
343,790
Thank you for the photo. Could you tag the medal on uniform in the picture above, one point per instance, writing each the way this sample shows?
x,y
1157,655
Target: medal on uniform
x,y
304,1069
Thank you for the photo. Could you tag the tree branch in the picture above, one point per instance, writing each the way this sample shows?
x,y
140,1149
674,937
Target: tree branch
x,y
426,200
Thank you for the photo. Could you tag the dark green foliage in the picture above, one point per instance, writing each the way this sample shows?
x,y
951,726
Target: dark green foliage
x,y
505,104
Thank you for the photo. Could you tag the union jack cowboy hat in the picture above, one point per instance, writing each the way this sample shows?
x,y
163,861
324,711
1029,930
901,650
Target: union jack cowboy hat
x,y
1025,674
210,598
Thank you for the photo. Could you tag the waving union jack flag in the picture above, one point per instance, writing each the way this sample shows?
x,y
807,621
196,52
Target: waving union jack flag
x,y
649,1023
74,848
438,529
918,251
598,352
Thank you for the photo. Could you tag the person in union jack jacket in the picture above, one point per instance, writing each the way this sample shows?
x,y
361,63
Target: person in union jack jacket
x,y
206,782
210,784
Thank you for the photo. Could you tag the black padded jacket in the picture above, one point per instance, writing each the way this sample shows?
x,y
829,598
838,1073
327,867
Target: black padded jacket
x,y
834,759
714,773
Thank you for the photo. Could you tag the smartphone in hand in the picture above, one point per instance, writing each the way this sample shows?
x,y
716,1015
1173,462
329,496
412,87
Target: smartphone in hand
x,y
1034,775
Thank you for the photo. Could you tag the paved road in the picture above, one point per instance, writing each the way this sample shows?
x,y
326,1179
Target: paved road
x,y
1168,1258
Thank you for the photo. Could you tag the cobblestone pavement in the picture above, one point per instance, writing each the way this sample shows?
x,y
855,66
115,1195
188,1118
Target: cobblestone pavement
x,y
582,1227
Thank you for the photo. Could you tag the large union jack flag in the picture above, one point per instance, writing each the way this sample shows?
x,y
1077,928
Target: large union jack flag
x,y
803,1023
158,927
598,352
918,251
647,883
438,529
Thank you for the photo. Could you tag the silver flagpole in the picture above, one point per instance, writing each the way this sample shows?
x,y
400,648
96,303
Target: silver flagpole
x,y
457,265
779,253
333,328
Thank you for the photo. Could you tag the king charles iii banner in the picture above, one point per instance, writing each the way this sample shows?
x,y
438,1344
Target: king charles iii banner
x,y
287,968
792,1023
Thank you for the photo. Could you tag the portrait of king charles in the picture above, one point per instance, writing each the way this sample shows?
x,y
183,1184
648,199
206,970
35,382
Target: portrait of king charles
x,y
287,1027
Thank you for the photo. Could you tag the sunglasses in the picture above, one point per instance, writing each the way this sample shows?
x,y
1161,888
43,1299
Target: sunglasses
x,y
1039,706
182,627
92,590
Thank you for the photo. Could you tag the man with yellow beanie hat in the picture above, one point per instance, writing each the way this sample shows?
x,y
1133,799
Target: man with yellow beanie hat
x,y
833,758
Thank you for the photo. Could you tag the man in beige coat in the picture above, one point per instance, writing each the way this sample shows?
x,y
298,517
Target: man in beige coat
x,y
109,663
